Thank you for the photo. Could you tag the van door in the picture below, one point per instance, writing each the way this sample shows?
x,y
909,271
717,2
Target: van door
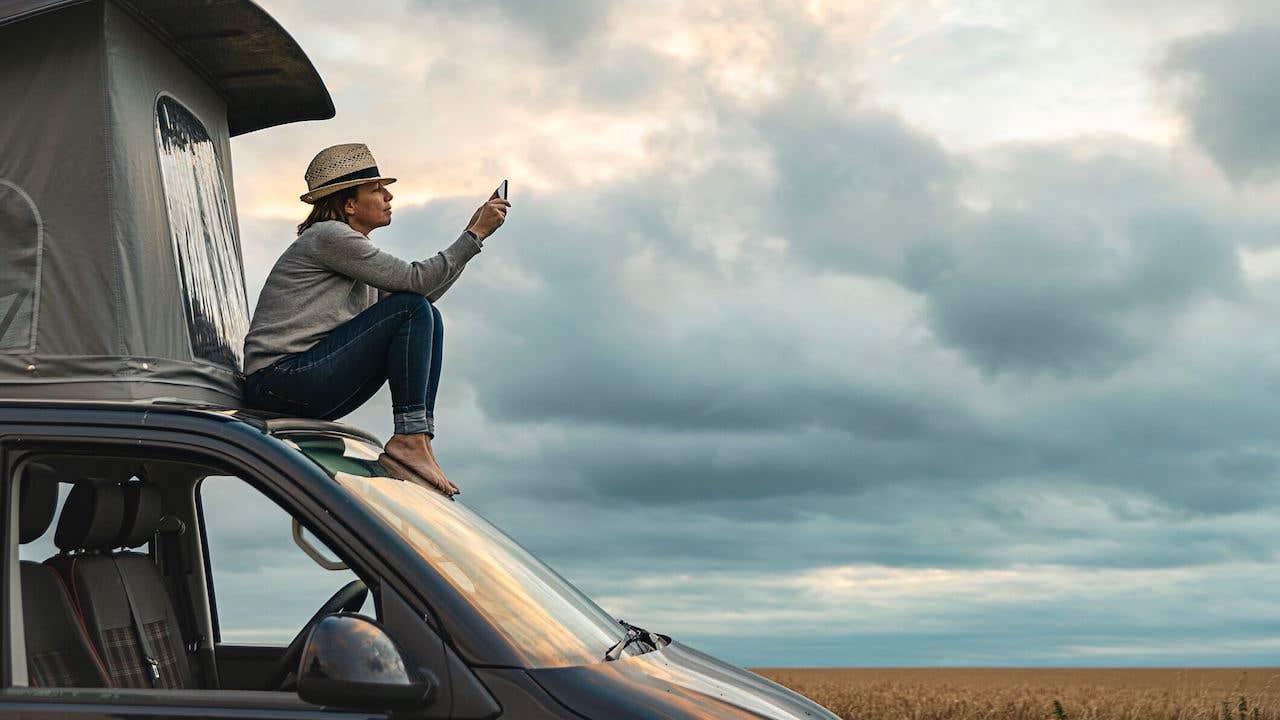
x,y
268,602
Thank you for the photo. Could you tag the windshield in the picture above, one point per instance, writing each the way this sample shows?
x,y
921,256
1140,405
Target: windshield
x,y
544,617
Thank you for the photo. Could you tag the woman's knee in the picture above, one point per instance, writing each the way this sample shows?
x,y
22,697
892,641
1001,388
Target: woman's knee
x,y
418,304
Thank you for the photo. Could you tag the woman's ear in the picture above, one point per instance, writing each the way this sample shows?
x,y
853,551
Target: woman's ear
x,y
349,207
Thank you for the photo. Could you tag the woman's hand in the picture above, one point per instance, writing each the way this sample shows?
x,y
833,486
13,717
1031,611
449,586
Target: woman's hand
x,y
489,217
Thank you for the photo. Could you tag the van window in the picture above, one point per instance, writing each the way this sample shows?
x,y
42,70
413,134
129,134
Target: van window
x,y
204,239
266,587
21,235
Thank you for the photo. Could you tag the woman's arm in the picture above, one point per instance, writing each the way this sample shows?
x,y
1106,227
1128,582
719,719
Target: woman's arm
x,y
435,294
346,251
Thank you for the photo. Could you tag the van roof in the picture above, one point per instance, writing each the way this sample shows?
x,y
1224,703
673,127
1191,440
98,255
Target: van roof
x,y
261,72
266,422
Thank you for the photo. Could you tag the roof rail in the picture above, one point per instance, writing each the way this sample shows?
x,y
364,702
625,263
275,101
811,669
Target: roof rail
x,y
288,424
184,402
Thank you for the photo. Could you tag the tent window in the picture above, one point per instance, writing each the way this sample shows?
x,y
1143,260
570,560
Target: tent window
x,y
21,236
204,239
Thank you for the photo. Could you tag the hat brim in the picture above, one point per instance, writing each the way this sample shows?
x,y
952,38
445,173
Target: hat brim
x,y
324,190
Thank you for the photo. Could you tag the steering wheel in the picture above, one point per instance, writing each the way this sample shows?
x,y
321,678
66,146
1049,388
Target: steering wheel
x,y
349,598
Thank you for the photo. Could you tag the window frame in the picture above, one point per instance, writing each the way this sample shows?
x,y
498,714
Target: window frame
x,y
30,347
13,662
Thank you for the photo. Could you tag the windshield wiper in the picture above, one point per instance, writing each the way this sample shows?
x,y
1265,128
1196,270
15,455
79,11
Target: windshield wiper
x,y
634,635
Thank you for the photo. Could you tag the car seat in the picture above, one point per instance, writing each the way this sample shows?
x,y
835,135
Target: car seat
x,y
121,597
59,651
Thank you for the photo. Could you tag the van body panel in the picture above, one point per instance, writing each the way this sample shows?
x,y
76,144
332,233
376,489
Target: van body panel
x,y
674,681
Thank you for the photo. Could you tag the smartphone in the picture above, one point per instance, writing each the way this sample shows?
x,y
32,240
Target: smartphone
x,y
501,192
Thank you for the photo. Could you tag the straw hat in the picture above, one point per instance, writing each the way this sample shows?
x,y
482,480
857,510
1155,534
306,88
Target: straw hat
x,y
340,167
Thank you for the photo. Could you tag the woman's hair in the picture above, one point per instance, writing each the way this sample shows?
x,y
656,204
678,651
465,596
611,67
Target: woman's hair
x,y
329,207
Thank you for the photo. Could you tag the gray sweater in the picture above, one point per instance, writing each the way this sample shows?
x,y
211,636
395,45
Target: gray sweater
x,y
332,273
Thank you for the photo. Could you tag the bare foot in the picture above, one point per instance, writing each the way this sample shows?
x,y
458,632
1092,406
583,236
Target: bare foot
x,y
439,470
412,452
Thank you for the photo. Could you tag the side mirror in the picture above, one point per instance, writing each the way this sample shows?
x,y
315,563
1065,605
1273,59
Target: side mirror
x,y
349,661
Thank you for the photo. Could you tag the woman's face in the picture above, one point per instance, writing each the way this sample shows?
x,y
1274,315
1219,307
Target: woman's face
x,y
370,208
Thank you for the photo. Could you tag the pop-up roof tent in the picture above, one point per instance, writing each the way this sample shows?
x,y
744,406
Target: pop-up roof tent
x,y
120,267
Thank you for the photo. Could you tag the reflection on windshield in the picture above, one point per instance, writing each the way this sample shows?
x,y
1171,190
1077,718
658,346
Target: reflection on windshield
x,y
544,617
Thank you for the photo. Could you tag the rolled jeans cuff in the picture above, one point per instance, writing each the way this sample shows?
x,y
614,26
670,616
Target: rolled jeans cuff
x,y
416,421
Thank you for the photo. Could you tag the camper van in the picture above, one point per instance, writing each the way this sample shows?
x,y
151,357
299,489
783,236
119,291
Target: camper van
x,y
122,319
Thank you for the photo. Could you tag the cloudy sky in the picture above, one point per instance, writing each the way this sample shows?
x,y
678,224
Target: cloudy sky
x,y
845,333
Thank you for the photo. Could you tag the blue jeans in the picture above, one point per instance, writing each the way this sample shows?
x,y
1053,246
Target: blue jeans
x,y
399,339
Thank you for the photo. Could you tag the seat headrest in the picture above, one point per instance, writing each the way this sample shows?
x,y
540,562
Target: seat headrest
x,y
141,514
38,499
91,517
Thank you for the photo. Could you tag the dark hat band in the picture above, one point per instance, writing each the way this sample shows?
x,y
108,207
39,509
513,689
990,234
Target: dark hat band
x,y
369,172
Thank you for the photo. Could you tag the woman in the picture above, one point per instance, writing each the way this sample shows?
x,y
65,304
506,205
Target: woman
x,y
338,317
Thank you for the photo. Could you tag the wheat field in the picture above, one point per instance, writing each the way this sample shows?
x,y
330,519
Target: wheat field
x,y
1039,694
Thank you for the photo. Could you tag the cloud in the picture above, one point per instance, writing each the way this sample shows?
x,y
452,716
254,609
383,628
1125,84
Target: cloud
x,y
855,191
1078,259
751,331
1234,97
698,311
561,26
1041,289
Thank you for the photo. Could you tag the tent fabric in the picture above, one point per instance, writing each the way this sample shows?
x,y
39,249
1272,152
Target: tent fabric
x,y
131,270
53,150
19,267
234,45
142,75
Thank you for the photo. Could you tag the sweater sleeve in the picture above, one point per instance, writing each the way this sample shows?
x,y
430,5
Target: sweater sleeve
x,y
435,294
350,253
